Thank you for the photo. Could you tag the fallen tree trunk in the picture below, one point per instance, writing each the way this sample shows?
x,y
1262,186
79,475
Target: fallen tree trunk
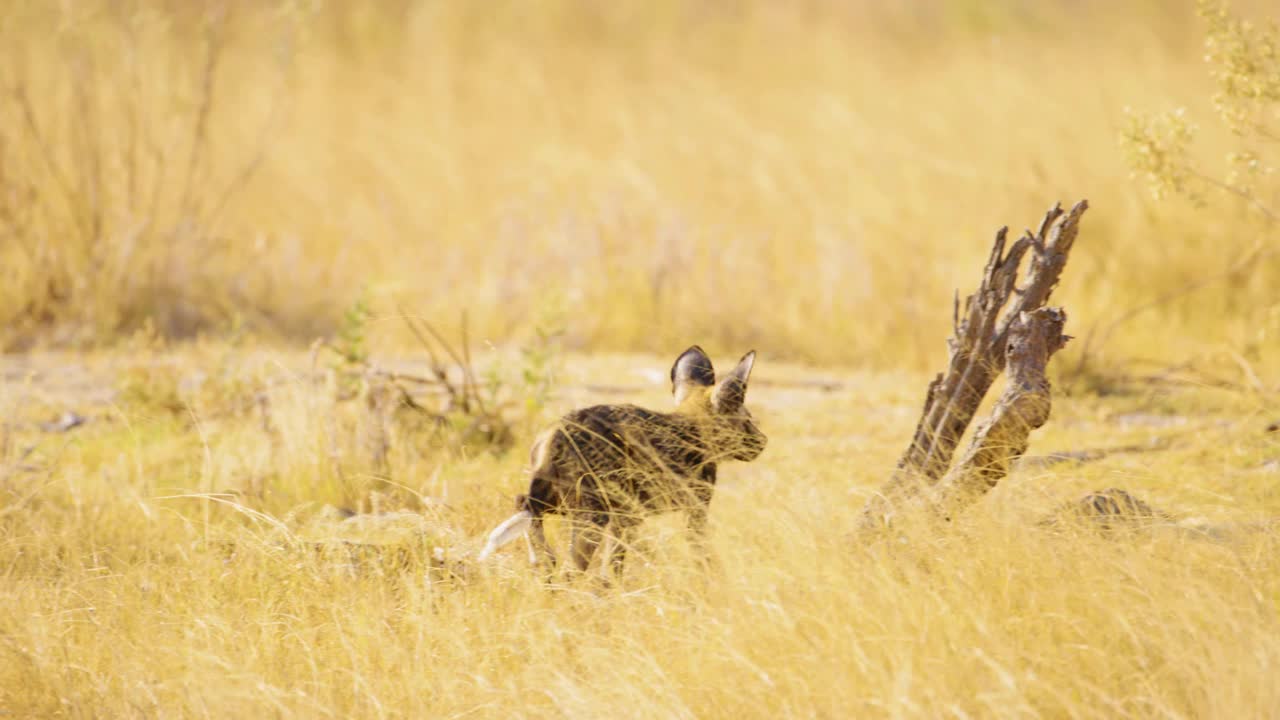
x,y
978,354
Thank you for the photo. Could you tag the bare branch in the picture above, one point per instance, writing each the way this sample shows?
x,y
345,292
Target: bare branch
x,y
469,383
1238,269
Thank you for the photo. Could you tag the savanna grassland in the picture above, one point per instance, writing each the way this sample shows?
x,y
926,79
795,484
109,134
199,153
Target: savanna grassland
x,y
569,194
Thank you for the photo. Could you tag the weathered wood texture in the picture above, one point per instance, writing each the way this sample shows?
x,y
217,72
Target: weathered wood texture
x,y
1022,408
980,348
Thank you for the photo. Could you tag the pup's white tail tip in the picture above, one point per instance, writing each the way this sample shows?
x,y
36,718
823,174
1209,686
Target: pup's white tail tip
x,y
512,528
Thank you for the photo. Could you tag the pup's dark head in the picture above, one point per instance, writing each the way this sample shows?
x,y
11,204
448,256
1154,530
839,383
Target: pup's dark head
x,y
734,435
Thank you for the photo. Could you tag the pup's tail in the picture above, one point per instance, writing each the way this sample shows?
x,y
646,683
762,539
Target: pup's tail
x,y
512,528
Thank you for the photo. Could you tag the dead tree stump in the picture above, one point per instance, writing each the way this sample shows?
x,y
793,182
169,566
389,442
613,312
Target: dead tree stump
x,y
1023,407
986,339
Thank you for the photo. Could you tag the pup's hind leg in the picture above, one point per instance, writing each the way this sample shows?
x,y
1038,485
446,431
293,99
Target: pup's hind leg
x,y
620,537
542,499
585,537
541,548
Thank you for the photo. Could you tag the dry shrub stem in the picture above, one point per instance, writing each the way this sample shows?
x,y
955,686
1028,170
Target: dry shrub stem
x,y
979,347
126,187
428,337
1248,262
382,391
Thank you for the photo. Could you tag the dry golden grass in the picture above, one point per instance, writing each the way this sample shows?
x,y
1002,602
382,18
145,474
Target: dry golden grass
x,y
120,599
810,179
815,178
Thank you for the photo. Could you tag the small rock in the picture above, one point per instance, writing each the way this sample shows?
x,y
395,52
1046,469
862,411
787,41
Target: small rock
x,y
67,421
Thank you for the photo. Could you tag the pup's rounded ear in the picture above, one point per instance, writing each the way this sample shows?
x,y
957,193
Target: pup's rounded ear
x,y
742,370
692,369
731,393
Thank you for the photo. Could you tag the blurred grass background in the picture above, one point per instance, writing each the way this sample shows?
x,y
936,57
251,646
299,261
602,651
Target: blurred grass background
x,y
812,178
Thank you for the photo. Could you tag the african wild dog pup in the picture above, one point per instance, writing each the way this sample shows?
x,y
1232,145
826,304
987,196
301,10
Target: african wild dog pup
x,y
609,466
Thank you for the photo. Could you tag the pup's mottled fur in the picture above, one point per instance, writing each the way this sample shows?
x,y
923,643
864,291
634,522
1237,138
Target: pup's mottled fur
x,y
608,466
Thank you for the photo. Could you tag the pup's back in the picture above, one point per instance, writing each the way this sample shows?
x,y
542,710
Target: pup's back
x,y
621,460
